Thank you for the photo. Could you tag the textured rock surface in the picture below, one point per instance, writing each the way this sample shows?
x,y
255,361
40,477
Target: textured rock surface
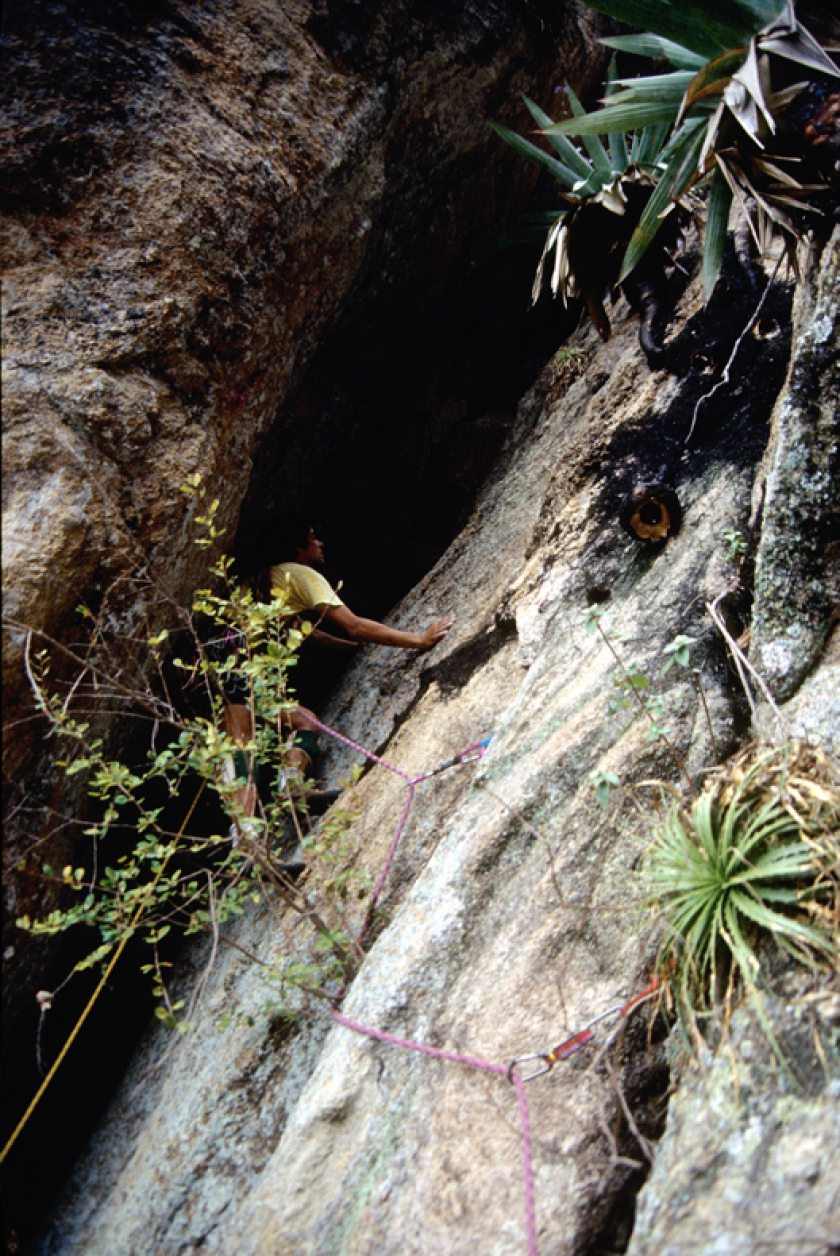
x,y
193,196
177,260
512,911
797,583
749,1162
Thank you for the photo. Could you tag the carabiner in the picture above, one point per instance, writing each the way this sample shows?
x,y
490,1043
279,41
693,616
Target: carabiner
x,y
548,1065
475,752
550,1058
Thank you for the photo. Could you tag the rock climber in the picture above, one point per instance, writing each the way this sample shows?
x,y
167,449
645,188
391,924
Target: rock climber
x,y
294,553
289,555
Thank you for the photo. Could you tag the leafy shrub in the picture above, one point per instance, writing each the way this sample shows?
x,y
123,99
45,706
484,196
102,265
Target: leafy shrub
x,y
189,876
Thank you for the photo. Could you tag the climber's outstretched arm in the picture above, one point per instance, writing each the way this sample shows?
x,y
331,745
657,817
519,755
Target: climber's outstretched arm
x,y
360,629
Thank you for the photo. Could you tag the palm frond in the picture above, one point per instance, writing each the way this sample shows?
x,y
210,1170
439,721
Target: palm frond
x,y
565,150
615,117
619,152
599,156
710,122
533,153
706,27
647,145
678,174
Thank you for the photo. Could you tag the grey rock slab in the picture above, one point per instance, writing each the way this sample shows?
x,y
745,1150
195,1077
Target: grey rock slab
x,y
749,1159
797,578
512,915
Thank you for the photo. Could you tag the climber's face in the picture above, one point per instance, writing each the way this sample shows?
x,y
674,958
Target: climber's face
x,y
314,552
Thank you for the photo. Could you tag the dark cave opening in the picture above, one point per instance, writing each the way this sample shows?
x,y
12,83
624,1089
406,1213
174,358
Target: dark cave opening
x,y
58,1129
387,441
104,1029
402,414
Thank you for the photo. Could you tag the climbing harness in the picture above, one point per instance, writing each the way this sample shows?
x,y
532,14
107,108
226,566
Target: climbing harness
x,y
570,1045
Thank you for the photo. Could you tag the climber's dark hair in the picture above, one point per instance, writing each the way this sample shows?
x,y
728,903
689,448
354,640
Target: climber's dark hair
x,y
278,542
283,536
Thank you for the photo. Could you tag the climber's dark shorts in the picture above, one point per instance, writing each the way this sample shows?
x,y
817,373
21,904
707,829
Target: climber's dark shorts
x,y
240,767
307,740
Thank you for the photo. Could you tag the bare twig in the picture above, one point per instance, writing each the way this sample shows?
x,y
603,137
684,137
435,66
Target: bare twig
x,y
724,379
535,832
743,664
709,724
663,737
135,695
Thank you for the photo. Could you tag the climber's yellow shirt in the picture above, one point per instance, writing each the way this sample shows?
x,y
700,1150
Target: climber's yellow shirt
x,y
304,588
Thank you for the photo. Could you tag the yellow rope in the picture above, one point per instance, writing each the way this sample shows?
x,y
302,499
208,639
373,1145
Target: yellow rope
x,y
45,1083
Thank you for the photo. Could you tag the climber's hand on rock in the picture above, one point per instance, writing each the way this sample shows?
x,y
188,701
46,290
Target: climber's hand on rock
x,y
436,631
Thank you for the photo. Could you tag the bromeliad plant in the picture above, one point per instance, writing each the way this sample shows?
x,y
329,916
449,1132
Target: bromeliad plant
x,y
757,854
750,90
603,188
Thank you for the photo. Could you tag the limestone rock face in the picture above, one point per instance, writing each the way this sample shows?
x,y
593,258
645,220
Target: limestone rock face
x,y
193,194
798,563
199,197
512,910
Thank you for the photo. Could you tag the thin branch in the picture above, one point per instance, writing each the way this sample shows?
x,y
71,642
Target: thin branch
x,y
724,379
680,761
135,695
741,663
535,832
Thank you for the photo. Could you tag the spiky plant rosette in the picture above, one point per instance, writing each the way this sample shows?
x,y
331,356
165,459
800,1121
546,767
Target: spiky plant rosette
x,y
757,854
740,69
600,175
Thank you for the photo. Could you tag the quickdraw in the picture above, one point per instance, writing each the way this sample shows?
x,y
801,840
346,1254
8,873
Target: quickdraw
x,y
470,755
570,1045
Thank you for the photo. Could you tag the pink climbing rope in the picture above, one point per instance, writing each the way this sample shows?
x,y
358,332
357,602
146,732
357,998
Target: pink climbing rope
x,y
470,755
547,1059
488,1067
355,746
374,898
